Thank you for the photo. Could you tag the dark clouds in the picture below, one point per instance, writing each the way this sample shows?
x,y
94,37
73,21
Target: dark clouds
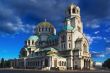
x,y
30,11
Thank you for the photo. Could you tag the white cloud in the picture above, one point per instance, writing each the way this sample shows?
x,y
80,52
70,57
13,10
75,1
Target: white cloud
x,y
96,32
92,38
93,24
107,40
97,54
108,50
15,28
101,54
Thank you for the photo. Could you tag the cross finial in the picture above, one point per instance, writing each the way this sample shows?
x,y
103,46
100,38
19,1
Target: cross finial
x,y
45,20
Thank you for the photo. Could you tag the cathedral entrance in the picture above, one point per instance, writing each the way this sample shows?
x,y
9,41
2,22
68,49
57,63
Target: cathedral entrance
x,y
86,64
76,67
55,63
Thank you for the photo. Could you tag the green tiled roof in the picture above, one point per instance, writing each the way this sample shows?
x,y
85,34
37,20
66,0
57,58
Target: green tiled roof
x,y
34,37
49,49
68,27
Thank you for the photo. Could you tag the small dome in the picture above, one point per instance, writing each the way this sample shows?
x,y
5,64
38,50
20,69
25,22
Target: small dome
x,y
45,24
68,27
34,37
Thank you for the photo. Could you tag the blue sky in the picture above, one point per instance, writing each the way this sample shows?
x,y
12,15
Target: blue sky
x,y
18,18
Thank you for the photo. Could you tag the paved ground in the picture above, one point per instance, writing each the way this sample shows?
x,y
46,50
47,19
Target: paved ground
x,y
36,71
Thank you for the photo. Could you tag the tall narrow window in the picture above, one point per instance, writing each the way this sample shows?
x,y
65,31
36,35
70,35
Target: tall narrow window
x,y
39,29
32,42
61,45
69,45
49,29
42,29
45,29
69,38
29,42
64,45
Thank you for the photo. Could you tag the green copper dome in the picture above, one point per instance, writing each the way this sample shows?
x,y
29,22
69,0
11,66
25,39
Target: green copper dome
x,y
34,37
68,27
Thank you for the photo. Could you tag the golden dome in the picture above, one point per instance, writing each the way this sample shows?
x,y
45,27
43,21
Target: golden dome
x,y
45,24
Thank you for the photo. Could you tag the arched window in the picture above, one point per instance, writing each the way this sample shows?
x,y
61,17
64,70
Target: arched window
x,y
42,29
59,63
69,38
62,63
39,29
64,45
49,29
77,11
73,10
63,38
29,42
32,42
69,45
45,29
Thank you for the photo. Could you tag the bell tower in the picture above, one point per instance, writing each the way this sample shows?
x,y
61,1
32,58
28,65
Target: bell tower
x,y
73,11
73,17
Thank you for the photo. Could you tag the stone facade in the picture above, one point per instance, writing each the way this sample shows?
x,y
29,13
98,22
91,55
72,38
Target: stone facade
x,y
66,50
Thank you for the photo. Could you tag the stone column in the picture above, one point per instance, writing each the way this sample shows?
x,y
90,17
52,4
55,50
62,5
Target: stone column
x,y
50,62
43,63
25,63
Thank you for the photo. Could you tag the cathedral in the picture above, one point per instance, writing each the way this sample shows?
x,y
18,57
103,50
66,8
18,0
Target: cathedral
x,y
48,50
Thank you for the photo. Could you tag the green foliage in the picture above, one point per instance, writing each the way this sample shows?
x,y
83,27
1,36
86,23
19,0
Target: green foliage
x,y
106,63
4,63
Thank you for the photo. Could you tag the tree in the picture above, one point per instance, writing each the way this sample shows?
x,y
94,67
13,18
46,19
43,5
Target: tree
x,y
2,63
106,63
7,63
